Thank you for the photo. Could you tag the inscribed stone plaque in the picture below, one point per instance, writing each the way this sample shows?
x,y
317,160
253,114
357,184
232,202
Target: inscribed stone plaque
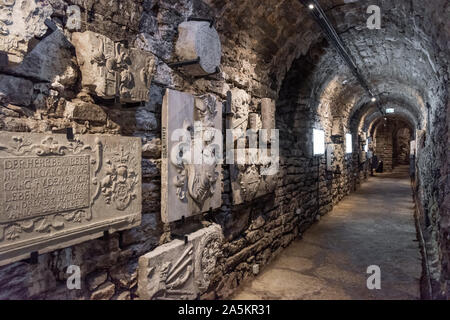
x,y
179,270
55,193
191,172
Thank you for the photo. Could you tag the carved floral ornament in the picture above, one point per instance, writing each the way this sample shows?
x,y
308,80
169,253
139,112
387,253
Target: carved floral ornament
x,y
51,185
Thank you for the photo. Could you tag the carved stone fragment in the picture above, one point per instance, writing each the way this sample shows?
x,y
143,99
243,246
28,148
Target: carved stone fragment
x,y
84,111
252,174
177,270
55,193
197,39
337,129
267,118
20,22
329,153
73,18
110,70
191,149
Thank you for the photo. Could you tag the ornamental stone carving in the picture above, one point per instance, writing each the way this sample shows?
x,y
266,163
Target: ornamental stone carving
x,y
55,192
191,152
179,270
254,172
111,70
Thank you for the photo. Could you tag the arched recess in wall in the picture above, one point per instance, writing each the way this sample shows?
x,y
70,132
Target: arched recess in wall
x,y
387,145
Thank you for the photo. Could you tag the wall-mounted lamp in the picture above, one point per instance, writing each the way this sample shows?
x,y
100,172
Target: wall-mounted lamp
x,y
310,6
318,142
348,143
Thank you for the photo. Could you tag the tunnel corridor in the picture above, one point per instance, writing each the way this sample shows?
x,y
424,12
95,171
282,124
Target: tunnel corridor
x,y
210,149
372,226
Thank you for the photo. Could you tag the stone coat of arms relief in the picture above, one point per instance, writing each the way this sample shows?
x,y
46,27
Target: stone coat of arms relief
x,y
254,171
56,192
191,171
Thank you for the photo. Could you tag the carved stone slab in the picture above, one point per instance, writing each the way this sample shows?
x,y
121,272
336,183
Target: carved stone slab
x,y
197,39
247,179
268,113
110,70
20,22
55,193
190,179
248,182
329,154
179,271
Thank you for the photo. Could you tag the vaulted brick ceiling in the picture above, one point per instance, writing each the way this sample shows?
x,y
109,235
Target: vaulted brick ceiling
x,y
404,62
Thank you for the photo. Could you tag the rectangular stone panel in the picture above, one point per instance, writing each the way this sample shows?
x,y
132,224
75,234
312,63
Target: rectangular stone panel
x,y
55,193
191,180
179,270
253,177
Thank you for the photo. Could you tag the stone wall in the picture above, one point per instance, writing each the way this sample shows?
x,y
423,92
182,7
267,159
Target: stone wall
x,y
269,50
36,97
402,138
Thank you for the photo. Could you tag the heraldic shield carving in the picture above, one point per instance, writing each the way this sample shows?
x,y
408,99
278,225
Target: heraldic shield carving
x,y
192,147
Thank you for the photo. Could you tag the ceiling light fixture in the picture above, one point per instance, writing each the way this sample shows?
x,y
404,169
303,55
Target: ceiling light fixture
x,y
311,6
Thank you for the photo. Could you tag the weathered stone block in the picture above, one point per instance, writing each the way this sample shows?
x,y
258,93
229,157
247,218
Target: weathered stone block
x,y
84,111
197,39
105,292
73,18
16,90
56,193
177,270
50,61
152,149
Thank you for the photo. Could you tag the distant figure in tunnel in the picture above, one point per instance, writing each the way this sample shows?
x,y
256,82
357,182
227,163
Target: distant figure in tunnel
x,y
374,164
380,167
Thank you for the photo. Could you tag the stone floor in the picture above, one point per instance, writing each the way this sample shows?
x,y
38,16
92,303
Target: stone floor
x,y
372,226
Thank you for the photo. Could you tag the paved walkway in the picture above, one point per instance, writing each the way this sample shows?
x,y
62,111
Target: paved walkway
x,y
372,226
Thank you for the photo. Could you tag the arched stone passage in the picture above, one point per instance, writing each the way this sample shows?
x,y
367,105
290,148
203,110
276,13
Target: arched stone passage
x,y
390,141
